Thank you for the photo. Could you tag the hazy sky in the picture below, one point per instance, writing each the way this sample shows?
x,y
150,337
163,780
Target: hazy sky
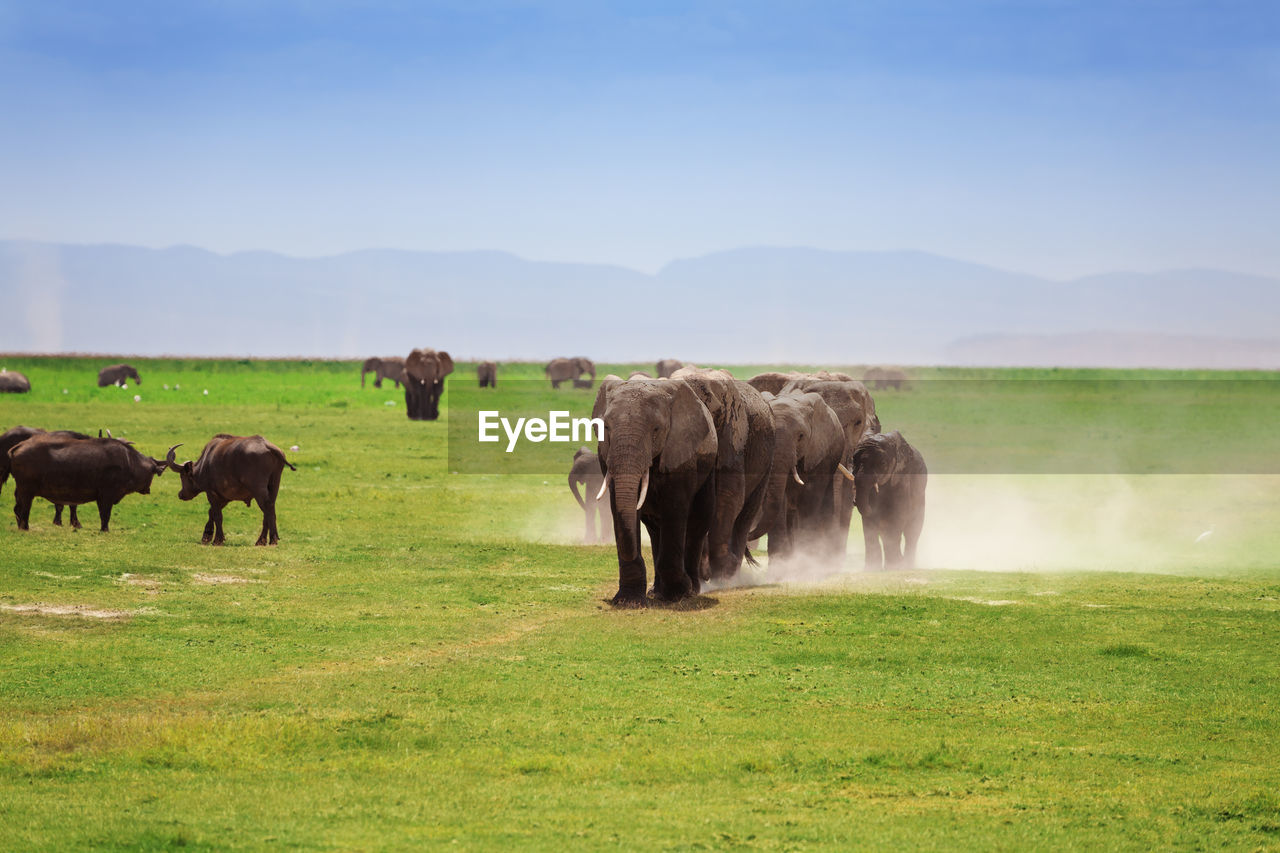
x,y
1059,138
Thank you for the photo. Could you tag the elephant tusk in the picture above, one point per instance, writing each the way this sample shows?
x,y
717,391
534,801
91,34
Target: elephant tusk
x,y
644,490
604,487
845,471
796,476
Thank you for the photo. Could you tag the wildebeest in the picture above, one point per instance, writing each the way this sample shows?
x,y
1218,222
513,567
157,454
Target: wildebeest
x,y
117,374
69,470
235,468
16,436
890,478
391,368
487,373
13,382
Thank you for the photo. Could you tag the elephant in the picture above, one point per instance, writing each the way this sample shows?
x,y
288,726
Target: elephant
x,y
563,369
667,366
487,373
882,378
586,471
658,456
855,408
391,368
639,374
890,477
117,374
424,373
744,455
583,383
11,439
13,382
801,496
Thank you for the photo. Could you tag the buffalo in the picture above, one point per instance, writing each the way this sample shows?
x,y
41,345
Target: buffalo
x,y
235,468
16,436
66,469
117,374
13,382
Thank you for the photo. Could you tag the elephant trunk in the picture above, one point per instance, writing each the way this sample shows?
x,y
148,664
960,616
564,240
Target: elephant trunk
x,y
573,487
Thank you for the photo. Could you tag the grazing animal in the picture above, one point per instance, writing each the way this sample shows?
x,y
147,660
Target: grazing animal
x,y
667,366
235,468
889,478
391,368
13,382
882,378
583,383
487,373
563,369
16,436
70,470
586,471
117,374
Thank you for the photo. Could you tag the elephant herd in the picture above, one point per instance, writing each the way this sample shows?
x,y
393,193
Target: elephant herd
x,y
707,463
13,382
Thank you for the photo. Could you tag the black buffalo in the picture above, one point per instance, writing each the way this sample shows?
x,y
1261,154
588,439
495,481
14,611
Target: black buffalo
x,y
16,436
235,468
13,382
117,374
72,469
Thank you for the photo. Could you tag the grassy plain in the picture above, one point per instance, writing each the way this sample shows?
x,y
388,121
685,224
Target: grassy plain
x,y
426,657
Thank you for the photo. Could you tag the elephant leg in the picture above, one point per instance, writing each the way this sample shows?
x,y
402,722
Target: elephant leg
x,y
589,528
730,494
912,535
104,513
892,539
606,521
871,543
673,582
655,537
697,531
844,518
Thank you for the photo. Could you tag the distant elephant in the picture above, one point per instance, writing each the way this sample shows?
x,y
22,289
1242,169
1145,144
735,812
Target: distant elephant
x,y
639,374
658,456
882,378
563,369
773,383
117,374
13,382
668,366
890,477
744,456
424,373
391,368
855,408
586,471
800,501
16,436
583,383
487,373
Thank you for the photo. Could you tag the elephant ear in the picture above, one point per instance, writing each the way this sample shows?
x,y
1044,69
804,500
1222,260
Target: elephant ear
x,y
690,432
445,364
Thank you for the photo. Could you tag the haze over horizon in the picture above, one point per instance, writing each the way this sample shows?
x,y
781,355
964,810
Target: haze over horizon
x,y
1049,138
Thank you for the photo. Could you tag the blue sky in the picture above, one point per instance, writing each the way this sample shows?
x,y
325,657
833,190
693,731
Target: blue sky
x,y
1049,137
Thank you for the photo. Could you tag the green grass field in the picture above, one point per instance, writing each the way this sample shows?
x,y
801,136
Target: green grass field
x,y
426,659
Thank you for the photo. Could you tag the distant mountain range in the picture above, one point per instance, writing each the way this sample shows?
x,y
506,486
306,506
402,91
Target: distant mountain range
x,y
745,305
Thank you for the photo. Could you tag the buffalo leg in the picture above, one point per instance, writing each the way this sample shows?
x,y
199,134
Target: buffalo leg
x,y
215,519
57,515
22,509
75,520
104,513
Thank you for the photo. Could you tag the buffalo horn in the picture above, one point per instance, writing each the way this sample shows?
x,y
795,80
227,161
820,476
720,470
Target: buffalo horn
x,y
170,459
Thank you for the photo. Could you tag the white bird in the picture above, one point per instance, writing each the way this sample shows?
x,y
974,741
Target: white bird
x,y
294,449
206,392
137,398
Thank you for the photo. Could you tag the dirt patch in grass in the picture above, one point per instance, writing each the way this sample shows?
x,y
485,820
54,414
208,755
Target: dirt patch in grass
x,y
201,577
83,611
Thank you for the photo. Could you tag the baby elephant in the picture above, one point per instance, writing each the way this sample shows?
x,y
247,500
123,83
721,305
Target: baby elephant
x,y
889,478
586,471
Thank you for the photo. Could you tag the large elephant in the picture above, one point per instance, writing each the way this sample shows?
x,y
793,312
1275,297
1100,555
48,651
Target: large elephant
x,y
667,366
565,369
890,476
800,500
487,374
391,368
658,456
882,378
424,373
13,382
117,374
744,455
855,408
586,472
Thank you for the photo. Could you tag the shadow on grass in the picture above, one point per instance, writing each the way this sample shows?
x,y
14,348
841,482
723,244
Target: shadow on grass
x,y
692,603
